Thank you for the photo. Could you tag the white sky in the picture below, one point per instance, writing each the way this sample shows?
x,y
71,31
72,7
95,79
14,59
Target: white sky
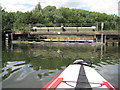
x,y
103,6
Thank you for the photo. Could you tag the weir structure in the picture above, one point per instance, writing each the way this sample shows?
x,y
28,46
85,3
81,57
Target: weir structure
x,y
89,34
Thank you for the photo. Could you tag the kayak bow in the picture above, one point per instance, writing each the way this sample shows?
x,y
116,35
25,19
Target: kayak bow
x,y
78,75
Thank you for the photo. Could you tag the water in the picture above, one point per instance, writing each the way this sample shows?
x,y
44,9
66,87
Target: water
x,y
33,65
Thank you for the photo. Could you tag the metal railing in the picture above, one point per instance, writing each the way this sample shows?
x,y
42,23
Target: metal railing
x,y
68,26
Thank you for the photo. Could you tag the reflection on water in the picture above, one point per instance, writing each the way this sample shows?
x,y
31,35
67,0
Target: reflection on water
x,y
25,64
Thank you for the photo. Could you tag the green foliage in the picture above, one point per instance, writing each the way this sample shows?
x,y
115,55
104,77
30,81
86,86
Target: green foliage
x,y
8,19
49,13
37,8
51,16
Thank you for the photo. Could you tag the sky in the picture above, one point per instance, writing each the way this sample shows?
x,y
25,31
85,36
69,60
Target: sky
x,y
102,6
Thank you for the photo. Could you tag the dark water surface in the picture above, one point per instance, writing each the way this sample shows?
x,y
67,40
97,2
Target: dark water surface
x,y
33,65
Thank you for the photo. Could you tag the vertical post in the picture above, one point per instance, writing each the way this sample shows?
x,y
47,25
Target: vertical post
x,y
77,29
97,26
9,38
3,37
95,38
102,40
1,44
102,25
105,39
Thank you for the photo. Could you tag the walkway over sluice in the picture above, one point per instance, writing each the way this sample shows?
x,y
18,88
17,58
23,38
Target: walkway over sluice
x,y
69,33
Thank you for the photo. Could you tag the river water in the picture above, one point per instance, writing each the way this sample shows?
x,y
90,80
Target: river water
x,y
33,65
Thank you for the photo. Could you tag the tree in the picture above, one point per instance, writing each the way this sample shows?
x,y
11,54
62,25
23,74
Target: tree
x,y
48,13
38,8
8,18
52,16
